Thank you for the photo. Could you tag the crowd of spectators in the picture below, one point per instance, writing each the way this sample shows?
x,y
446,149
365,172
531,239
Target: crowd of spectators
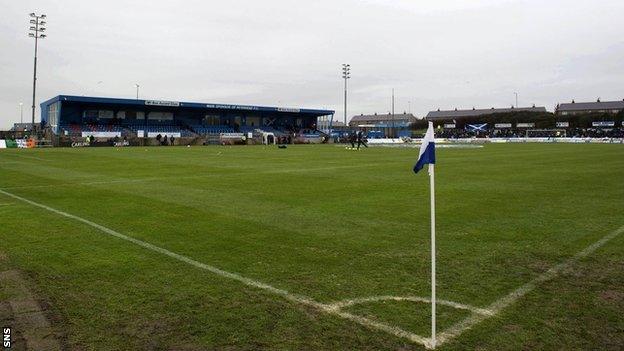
x,y
165,141
596,133
521,133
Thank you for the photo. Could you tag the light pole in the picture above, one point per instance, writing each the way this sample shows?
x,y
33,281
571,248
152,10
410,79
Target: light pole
x,y
137,90
21,113
346,74
393,126
36,31
516,99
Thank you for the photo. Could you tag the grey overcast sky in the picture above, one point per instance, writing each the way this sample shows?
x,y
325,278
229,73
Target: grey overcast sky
x,y
435,54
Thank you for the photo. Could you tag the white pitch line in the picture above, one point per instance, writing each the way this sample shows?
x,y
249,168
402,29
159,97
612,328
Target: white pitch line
x,y
426,342
334,309
496,307
347,303
234,276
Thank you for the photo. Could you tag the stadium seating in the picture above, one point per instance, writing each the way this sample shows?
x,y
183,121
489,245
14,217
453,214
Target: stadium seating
x,y
131,127
275,131
76,130
263,129
214,130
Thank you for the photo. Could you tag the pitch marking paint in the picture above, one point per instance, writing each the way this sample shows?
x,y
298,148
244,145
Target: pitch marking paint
x,y
496,307
234,276
351,302
335,309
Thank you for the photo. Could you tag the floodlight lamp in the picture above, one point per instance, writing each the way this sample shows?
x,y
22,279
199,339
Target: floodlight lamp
x,y
33,21
42,29
32,14
33,28
42,23
43,16
42,36
31,35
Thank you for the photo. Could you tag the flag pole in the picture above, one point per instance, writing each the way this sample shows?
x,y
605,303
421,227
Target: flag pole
x,y
433,257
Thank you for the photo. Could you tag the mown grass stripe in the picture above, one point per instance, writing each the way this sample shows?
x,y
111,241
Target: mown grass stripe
x,y
237,277
512,297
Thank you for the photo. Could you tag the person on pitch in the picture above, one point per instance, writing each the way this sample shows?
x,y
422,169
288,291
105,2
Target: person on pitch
x,y
352,138
361,140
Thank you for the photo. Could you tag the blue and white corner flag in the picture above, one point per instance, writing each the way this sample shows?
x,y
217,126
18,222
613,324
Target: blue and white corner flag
x,y
427,156
427,150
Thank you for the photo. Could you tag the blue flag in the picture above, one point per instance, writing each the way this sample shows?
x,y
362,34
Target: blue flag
x,y
427,150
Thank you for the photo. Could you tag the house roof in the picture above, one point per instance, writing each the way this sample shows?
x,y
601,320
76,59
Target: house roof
x,y
479,112
597,105
179,104
388,117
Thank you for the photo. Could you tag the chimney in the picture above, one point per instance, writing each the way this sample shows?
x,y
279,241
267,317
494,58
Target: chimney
x,y
598,100
572,100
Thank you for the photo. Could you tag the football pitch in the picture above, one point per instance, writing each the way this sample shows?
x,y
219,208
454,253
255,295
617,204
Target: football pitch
x,y
318,247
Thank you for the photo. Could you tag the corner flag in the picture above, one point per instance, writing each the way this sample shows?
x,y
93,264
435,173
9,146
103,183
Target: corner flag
x,y
427,150
427,156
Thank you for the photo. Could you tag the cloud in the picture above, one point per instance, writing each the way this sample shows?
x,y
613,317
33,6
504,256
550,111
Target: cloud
x,y
444,54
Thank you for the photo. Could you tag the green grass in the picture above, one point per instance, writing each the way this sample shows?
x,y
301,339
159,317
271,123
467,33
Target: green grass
x,y
322,222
